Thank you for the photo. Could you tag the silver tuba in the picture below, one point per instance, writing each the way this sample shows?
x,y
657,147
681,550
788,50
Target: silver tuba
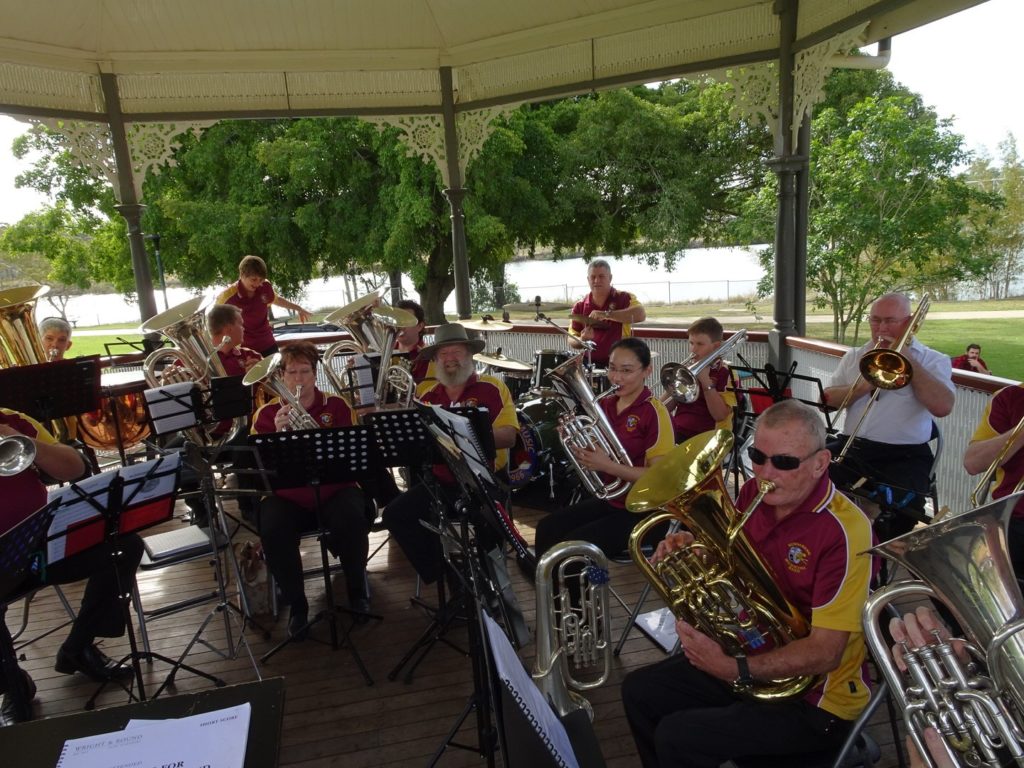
x,y
193,358
590,431
963,561
680,379
268,372
373,329
17,453
573,626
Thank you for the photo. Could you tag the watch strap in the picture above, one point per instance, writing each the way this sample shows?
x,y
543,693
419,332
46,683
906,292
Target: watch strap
x,y
743,677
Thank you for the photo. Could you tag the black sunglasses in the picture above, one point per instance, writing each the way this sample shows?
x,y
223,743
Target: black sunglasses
x,y
782,461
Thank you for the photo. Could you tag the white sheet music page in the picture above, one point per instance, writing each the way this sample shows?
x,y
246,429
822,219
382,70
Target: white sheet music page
x,y
75,508
526,693
214,739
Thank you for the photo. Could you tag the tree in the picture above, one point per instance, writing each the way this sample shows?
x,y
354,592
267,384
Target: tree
x,y
887,210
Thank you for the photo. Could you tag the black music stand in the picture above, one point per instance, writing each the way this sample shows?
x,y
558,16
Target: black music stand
x,y
96,512
49,391
480,504
21,557
310,458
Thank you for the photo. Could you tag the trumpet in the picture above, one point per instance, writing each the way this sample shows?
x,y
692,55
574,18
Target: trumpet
x,y
17,453
886,368
268,371
680,379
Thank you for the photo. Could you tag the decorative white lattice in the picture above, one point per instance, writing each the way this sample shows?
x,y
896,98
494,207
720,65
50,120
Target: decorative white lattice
x,y
812,68
423,135
755,94
91,145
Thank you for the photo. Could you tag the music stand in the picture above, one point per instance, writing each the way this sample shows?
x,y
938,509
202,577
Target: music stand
x,y
96,512
21,556
48,391
310,458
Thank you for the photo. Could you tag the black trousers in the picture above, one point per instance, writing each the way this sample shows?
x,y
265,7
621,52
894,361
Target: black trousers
x,y
421,545
898,479
593,520
282,523
680,717
101,613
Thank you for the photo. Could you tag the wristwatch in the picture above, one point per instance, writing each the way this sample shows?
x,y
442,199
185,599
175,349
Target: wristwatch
x,y
744,679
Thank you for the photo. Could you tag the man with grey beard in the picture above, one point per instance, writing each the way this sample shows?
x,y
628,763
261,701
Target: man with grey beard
x,y
457,384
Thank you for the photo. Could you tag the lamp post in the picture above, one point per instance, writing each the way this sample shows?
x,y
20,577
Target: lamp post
x,y
159,266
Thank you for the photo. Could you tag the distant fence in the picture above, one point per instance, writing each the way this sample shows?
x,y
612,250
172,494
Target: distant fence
x,y
654,292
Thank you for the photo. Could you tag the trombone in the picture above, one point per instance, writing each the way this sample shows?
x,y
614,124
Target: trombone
x,y
885,368
680,379
981,489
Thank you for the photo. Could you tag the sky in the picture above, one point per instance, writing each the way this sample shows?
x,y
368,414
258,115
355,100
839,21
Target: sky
x,y
956,64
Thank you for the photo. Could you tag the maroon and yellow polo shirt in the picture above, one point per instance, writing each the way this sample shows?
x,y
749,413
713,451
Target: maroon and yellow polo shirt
x,y
327,411
644,429
235,359
814,554
24,492
257,333
608,333
1002,413
689,419
480,392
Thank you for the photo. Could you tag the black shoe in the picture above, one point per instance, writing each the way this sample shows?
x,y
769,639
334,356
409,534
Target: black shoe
x,y
360,608
10,712
298,621
359,596
92,663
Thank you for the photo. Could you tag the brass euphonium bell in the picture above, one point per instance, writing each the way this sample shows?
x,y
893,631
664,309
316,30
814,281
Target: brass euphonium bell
x,y
719,583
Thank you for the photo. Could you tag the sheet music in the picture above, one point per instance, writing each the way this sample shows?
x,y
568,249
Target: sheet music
x,y
209,740
465,442
150,479
362,375
76,509
170,407
528,696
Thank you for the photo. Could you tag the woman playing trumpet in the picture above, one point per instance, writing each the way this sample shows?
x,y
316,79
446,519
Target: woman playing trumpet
x,y
288,513
644,429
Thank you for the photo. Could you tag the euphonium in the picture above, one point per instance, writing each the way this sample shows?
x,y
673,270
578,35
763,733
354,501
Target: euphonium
x,y
573,624
680,379
269,372
17,453
718,583
590,431
963,561
193,358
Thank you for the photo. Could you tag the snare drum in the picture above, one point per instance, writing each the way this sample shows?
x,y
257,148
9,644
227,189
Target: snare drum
x,y
543,361
536,443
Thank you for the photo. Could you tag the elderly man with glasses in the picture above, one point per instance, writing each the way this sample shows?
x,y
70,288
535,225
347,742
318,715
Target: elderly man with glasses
x,y
693,709
889,462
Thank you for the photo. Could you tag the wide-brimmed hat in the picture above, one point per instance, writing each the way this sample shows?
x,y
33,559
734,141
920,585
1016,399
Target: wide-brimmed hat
x,y
447,334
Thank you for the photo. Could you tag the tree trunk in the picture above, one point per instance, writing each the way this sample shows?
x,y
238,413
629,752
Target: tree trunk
x,y
440,282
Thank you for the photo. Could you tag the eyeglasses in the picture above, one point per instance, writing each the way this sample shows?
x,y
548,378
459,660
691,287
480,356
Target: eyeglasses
x,y
781,461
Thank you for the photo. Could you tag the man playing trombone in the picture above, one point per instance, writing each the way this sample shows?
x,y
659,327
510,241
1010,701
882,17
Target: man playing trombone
x,y
996,445
715,401
890,445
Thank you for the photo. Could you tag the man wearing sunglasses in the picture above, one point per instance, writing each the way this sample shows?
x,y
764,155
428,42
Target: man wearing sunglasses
x,y
889,463
692,709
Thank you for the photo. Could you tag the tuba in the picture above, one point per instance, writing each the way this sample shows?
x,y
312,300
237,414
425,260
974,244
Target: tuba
x,y
573,625
373,329
718,583
963,561
19,337
194,358
268,372
590,431
680,379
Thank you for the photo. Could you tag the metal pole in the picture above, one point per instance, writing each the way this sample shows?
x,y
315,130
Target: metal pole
x,y
159,266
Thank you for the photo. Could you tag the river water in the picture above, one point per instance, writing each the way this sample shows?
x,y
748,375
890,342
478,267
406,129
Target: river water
x,y
703,273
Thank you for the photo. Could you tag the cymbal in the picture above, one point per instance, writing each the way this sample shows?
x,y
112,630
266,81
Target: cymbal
x,y
483,324
537,307
500,361
400,318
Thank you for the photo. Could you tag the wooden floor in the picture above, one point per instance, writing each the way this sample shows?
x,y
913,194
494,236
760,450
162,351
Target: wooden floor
x,y
332,717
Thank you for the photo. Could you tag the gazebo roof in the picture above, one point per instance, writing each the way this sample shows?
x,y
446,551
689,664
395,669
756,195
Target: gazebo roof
x,y
221,58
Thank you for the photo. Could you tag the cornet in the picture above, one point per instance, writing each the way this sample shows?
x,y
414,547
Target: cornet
x,y
268,371
17,453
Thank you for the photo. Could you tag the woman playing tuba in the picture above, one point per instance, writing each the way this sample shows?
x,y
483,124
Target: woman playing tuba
x,y
640,425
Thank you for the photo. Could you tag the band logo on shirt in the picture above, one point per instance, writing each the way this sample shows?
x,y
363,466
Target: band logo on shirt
x,y
327,419
632,422
471,402
797,556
